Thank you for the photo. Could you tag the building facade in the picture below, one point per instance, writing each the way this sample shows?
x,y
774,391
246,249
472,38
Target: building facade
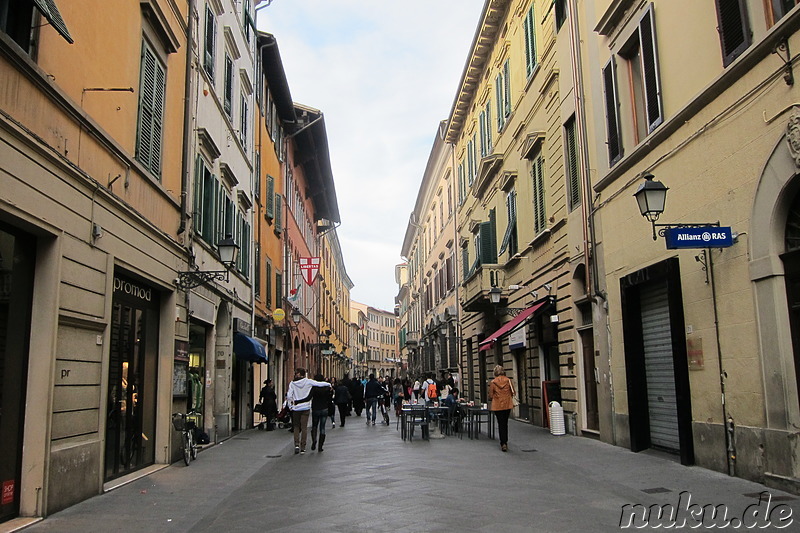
x,y
703,345
430,247
335,307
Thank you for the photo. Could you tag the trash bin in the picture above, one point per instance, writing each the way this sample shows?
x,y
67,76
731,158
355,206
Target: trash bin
x,y
556,419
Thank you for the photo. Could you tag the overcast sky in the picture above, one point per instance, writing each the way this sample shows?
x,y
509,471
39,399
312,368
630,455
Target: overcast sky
x,y
384,73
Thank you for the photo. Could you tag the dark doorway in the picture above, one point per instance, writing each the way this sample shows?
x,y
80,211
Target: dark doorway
x,y
130,426
590,380
17,259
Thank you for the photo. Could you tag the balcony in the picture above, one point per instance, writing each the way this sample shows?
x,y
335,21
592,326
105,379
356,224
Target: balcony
x,y
412,338
475,293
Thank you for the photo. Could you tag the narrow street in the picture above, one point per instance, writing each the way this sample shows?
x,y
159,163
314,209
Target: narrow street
x,y
369,479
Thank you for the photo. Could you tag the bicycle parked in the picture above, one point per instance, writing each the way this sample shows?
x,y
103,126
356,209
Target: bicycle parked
x,y
185,423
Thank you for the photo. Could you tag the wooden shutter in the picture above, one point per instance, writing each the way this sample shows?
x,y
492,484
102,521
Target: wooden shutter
x,y
461,187
151,111
612,112
489,147
197,202
270,197
268,283
507,87
482,128
652,84
573,177
537,174
465,261
498,94
488,241
508,237
530,42
257,270
228,101
210,42
278,289
734,30
278,214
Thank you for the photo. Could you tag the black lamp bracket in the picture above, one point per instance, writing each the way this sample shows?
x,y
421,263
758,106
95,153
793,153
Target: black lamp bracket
x,y
195,278
662,231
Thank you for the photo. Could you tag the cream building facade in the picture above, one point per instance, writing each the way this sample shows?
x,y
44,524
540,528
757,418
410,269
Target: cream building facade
x,y
430,247
703,341
335,308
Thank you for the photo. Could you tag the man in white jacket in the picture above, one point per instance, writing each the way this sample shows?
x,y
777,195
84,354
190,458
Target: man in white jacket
x,y
298,398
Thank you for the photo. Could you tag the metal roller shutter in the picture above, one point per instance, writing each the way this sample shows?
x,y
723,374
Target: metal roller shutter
x,y
659,367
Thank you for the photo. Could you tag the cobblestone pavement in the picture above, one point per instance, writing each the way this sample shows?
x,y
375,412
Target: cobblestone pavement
x,y
369,480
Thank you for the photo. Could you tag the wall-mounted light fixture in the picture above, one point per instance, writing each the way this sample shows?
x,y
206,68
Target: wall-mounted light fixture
x,y
652,197
228,253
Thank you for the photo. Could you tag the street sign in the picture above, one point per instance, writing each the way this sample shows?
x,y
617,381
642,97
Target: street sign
x,y
702,237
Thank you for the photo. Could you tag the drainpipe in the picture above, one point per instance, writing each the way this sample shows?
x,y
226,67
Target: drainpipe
x,y
188,141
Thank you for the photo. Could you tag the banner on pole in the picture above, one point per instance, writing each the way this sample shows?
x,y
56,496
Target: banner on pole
x,y
309,268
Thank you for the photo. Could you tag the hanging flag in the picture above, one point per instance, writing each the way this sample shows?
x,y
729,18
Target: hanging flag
x,y
309,267
294,294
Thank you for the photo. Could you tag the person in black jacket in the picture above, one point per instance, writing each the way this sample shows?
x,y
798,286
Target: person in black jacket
x,y
321,399
357,394
342,400
372,391
269,406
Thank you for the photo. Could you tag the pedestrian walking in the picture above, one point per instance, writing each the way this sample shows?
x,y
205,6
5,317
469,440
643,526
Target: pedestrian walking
x,y
321,399
501,392
299,402
342,400
357,394
397,396
269,404
332,406
372,391
416,388
430,390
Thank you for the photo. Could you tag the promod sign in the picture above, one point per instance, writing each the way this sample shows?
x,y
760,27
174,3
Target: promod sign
x,y
702,237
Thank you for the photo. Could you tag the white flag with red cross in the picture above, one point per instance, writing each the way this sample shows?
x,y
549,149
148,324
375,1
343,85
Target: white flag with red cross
x,y
309,268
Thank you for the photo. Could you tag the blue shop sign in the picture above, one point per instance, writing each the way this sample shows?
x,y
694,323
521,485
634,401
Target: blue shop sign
x,y
703,237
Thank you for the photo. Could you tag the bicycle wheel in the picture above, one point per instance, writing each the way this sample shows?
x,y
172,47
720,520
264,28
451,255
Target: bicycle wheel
x,y
192,445
187,447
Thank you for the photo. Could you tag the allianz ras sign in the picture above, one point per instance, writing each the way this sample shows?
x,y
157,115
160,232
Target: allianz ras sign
x,y
699,237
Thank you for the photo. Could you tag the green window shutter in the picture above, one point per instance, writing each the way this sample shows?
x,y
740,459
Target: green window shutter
x,y
228,98
489,147
151,111
488,243
530,42
209,205
465,262
268,280
498,96
270,197
482,128
507,87
612,112
652,86
278,289
210,42
461,186
537,174
197,200
278,214
573,174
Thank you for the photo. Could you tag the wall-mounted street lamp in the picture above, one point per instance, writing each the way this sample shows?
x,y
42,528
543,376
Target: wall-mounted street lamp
x,y
228,254
296,315
652,196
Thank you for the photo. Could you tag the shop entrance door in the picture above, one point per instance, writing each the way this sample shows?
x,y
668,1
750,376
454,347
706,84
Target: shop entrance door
x,y
130,426
17,254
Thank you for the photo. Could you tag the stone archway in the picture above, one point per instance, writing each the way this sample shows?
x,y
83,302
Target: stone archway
x,y
775,193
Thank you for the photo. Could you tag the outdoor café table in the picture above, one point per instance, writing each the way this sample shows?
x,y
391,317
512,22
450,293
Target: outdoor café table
x,y
408,414
477,416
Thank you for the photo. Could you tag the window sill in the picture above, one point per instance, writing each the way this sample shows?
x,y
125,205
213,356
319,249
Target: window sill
x,y
540,237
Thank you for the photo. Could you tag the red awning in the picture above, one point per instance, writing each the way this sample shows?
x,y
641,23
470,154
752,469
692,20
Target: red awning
x,y
512,325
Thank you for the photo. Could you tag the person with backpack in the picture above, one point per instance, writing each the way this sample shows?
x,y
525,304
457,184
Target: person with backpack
x,y
430,390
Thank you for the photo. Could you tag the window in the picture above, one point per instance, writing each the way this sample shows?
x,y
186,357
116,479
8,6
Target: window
x,y
268,278
205,202
778,8
612,112
16,21
257,183
537,178
471,161
734,31
247,20
278,214
502,92
152,89
510,238
245,109
210,42
270,196
530,42
461,184
485,126
571,164
561,13
228,95
642,70
278,288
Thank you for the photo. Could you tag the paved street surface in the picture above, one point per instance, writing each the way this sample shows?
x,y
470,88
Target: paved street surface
x,y
369,480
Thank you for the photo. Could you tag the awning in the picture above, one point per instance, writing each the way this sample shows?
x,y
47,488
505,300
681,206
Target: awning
x,y
248,349
512,325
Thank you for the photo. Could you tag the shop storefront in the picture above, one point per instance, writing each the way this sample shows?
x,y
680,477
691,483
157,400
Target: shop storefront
x,y
132,374
17,252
